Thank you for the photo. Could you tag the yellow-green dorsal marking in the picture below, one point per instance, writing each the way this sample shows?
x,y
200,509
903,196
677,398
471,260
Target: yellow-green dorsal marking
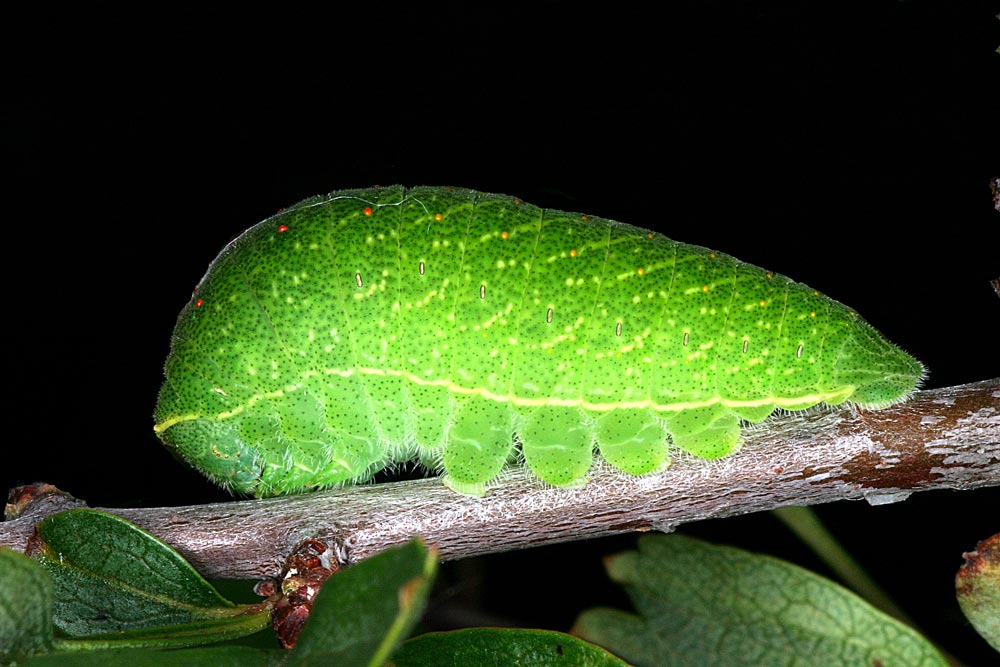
x,y
370,327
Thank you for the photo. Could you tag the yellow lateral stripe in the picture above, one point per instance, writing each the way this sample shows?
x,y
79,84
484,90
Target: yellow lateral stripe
x,y
809,399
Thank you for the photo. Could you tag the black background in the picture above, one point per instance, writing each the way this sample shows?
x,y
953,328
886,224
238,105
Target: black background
x,y
848,147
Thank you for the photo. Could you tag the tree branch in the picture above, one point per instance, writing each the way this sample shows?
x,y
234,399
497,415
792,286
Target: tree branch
x,y
941,439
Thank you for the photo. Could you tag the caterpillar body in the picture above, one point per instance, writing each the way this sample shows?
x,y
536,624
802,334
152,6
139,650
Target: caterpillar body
x,y
464,330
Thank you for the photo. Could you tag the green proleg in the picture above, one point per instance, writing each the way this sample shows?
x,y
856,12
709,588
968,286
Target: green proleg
x,y
371,327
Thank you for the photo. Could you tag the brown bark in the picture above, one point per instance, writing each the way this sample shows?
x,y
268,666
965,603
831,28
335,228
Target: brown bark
x,y
941,439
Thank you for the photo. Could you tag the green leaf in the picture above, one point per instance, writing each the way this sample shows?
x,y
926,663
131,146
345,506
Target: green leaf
x,y
978,588
117,585
227,656
25,606
496,647
363,612
707,605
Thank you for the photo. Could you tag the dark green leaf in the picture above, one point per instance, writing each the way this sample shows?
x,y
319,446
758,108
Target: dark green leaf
x,y
978,588
494,647
227,656
705,605
115,580
193,633
25,606
362,613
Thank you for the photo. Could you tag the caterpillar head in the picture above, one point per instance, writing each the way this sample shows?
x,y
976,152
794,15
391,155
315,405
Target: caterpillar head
x,y
217,449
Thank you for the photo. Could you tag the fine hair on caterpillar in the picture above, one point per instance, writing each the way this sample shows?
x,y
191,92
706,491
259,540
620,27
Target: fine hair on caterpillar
x,y
369,328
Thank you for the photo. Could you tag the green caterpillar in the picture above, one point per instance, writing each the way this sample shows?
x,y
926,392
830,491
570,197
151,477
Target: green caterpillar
x,y
366,328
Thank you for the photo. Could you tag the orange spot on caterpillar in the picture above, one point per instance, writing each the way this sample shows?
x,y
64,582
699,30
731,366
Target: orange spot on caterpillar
x,y
812,314
197,304
770,275
712,255
705,288
584,218
763,303
650,235
282,229
504,235
518,201
572,253
368,210
438,216
815,293
641,271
